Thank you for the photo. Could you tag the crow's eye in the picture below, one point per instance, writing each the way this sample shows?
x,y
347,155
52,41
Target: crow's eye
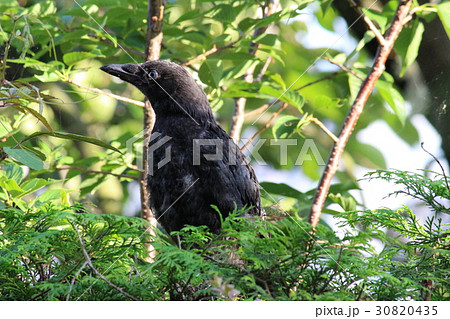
x,y
153,74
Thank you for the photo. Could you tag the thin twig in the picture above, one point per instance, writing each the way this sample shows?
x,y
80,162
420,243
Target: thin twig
x,y
327,77
344,68
90,171
89,262
266,126
356,110
264,69
72,283
209,52
237,120
257,111
370,25
439,163
323,127
114,96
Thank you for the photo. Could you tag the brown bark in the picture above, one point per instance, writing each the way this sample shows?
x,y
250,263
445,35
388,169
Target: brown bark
x,y
356,109
153,48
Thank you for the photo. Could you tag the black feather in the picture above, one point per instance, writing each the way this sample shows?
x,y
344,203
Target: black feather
x,y
183,190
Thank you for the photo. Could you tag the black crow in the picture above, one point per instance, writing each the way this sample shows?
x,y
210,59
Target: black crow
x,y
194,163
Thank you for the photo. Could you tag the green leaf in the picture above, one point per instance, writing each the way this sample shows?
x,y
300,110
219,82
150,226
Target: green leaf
x,y
268,39
50,195
348,203
354,85
38,65
366,155
337,188
325,101
25,157
408,43
443,10
35,113
285,126
10,186
292,97
191,14
225,12
368,36
71,136
393,98
75,57
12,171
241,68
281,189
240,88
90,184
279,80
5,127
250,23
211,72
34,184
379,18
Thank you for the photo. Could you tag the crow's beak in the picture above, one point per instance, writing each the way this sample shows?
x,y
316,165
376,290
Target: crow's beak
x,y
126,72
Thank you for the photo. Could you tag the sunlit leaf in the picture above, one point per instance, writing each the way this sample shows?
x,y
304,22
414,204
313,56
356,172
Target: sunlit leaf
x,y
408,43
191,14
393,98
281,189
292,97
72,58
71,136
348,203
24,108
12,171
366,155
10,186
25,157
211,72
444,14
285,126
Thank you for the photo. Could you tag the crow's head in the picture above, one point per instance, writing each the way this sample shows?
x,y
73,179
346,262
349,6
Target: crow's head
x,y
168,86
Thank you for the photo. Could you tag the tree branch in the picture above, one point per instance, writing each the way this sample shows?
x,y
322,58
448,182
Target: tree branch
x,y
155,15
344,68
114,96
329,76
257,111
72,283
356,110
323,127
381,40
237,120
89,263
264,69
209,52
90,171
439,163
